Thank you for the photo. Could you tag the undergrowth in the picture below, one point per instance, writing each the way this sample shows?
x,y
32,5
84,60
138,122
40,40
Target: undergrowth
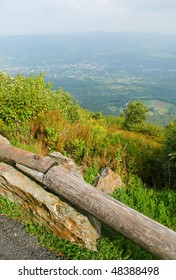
x,y
159,205
35,118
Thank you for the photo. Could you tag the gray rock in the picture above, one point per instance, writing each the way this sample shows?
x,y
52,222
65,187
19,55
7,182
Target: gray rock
x,y
47,209
67,164
107,181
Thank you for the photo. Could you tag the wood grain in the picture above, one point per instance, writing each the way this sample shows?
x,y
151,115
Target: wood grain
x,y
13,155
152,236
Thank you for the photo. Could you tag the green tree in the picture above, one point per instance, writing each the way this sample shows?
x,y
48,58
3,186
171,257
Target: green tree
x,y
135,114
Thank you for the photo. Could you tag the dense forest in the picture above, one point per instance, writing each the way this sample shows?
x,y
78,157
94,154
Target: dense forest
x,y
36,118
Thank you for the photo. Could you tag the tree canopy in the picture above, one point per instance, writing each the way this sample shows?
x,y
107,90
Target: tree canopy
x,y
135,113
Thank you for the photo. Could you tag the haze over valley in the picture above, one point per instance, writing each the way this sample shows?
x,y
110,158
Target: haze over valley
x,y
102,71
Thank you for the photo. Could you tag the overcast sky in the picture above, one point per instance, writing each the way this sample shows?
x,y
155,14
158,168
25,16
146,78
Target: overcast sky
x,y
23,17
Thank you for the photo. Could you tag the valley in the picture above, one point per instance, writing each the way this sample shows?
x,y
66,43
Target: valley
x,y
103,72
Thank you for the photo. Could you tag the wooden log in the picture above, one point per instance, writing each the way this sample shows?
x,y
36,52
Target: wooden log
x,y
38,176
152,236
13,155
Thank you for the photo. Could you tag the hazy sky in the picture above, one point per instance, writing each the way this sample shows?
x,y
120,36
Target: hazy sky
x,y
23,17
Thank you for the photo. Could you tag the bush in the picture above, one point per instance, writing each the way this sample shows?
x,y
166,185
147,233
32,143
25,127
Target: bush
x,y
151,130
90,173
62,100
169,155
22,98
135,113
159,205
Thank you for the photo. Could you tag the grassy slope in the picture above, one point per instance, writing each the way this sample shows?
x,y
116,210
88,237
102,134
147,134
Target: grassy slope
x,y
37,119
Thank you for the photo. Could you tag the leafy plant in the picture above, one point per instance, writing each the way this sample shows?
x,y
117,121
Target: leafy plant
x,y
34,117
22,98
159,205
169,155
90,173
135,113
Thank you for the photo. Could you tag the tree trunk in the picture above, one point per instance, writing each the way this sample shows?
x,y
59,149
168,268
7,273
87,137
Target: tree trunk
x,y
13,155
152,236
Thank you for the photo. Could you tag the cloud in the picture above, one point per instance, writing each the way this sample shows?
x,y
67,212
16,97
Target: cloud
x,y
151,5
55,16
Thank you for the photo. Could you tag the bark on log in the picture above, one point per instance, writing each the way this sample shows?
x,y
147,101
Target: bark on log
x,y
152,236
13,155
38,176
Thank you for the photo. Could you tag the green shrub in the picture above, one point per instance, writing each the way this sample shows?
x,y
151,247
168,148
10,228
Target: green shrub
x,y
135,113
169,155
90,173
25,98
77,149
22,99
59,99
159,205
152,130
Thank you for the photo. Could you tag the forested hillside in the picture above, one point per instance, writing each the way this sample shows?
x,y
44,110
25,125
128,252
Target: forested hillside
x,y
36,118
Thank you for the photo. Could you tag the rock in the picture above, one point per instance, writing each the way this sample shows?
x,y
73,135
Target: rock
x,y
107,181
67,164
47,209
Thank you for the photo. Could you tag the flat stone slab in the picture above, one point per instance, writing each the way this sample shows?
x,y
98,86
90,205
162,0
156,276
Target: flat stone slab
x,y
46,208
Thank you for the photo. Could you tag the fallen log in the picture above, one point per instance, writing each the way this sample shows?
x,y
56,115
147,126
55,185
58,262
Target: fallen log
x,y
152,236
12,155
